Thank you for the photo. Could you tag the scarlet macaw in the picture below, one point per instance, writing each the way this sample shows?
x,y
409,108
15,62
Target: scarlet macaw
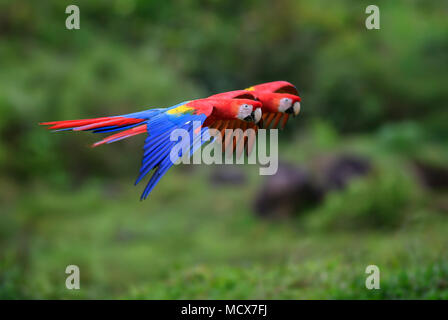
x,y
279,99
159,123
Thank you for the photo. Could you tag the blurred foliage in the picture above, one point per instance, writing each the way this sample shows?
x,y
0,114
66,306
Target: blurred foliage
x,y
379,93
382,200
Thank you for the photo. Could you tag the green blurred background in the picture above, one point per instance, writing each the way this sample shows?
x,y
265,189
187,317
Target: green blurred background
x,y
377,98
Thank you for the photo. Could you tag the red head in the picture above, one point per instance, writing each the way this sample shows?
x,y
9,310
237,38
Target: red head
x,y
279,102
231,109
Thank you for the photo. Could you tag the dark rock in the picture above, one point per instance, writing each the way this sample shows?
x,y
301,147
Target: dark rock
x,y
432,176
290,190
338,171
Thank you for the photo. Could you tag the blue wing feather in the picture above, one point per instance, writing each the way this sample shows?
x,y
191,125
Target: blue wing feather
x,y
158,145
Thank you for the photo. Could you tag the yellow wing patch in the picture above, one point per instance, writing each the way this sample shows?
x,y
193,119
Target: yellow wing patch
x,y
250,89
185,108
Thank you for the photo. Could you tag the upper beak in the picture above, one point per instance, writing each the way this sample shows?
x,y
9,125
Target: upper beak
x,y
257,115
295,108
254,116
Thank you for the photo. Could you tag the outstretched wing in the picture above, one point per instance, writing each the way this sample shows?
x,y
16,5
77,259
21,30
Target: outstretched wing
x,y
157,156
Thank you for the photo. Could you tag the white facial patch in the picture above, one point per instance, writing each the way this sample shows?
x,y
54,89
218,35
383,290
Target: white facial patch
x,y
245,111
285,104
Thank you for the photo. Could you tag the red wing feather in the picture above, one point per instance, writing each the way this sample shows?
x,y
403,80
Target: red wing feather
x,y
284,120
277,120
88,124
270,116
122,135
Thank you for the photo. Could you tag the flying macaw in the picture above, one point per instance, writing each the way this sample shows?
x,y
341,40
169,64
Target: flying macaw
x,y
279,99
160,122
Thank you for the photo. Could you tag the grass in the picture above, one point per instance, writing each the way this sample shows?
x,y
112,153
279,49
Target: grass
x,y
212,248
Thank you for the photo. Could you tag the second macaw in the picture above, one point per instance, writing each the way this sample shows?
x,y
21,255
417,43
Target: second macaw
x,y
279,100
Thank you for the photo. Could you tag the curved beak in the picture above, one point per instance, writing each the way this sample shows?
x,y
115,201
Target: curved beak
x,y
254,116
257,115
294,109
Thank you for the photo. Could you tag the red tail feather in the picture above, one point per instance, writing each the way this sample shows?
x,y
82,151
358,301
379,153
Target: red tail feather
x,y
122,135
87,124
